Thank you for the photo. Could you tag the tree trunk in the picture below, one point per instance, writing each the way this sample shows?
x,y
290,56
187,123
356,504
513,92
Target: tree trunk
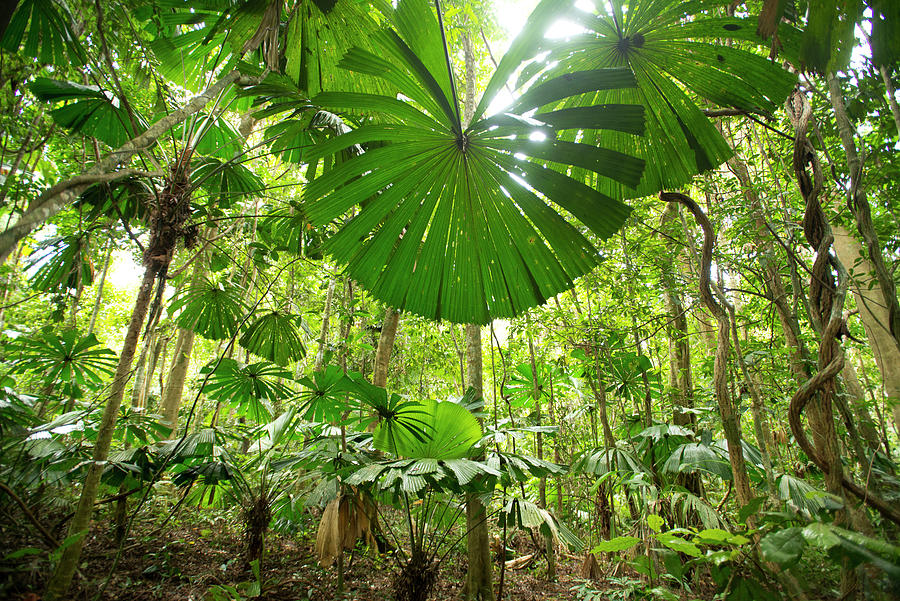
x,y
99,300
323,331
730,419
539,445
858,202
681,378
68,563
385,346
874,314
760,423
479,586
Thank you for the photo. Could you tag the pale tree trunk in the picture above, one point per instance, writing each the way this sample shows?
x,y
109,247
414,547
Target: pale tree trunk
x,y
8,284
479,584
867,424
174,388
170,399
874,315
323,331
730,419
99,300
859,204
385,346
68,562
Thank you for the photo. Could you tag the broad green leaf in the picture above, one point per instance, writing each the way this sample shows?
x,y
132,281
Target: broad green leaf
x,y
68,359
91,112
783,547
678,544
62,263
655,522
275,336
615,545
43,29
252,388
210,309
462,223
449,432
674,50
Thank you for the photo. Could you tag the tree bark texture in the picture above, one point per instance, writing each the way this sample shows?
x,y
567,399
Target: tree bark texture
x,y
479,585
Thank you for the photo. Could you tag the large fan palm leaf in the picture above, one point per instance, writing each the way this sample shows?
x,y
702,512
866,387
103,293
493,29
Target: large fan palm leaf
x,y
464,222
677,54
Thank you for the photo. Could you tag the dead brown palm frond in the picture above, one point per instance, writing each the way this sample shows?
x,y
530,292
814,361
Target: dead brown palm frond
x,y
344,521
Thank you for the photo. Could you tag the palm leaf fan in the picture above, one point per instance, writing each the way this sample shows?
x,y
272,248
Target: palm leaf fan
x,y
251,388
275,336
44,30
449,432
677,54
463,222
210,309
90,111
63,263
68,359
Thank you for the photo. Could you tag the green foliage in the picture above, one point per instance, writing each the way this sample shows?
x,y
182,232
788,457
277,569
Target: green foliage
x,y
493,248
653,39
43,28
450,432
61,264
275,336
70,360
92,112
251,388
210,309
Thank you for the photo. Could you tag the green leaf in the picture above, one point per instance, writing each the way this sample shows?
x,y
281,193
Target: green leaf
x,y
655,522
276,337
253,388
678,544
449,431
210,309
93,112
615,545
783,547
44,30
459,225
61,264
674,49
66,359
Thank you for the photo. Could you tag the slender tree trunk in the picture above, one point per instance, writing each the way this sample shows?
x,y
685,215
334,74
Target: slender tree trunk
x,y
760,423
681,379
99,300
8,284
479,586
385,346
859,204
323,331
68,563
539,443
874,314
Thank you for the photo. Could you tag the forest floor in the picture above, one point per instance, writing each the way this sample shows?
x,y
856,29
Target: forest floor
x,y
199,557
